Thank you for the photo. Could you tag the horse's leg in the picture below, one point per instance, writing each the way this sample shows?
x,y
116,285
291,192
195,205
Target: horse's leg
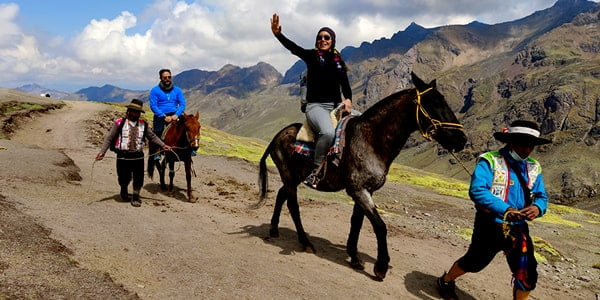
x,y
151,163
171,174
294,209
290,194
281,198
188,178
161,166
363,198
356,222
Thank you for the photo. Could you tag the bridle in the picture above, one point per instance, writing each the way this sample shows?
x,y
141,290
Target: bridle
x,y
430,131
193,141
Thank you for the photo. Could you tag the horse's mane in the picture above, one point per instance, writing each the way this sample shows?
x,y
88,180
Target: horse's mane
x,y
385,102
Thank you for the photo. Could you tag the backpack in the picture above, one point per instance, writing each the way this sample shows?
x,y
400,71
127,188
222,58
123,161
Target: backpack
x,y
303,91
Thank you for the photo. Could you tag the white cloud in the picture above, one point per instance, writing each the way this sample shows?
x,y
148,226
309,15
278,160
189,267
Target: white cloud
x,y
208,34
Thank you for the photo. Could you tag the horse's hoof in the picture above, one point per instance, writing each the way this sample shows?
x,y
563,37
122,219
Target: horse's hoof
x,y
357,264
193,199
379,273
310,249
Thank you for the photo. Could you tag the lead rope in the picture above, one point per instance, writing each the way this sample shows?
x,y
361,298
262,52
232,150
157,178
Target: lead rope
x,y
461,164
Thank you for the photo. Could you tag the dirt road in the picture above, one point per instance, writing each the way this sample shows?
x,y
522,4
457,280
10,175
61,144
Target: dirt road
x,y
217,248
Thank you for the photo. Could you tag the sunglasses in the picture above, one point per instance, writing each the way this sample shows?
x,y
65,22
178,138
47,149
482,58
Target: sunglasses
x,y
166,77
323,37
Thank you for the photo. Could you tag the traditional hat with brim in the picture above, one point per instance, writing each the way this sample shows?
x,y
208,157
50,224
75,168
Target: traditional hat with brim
x,y
522,132
136,105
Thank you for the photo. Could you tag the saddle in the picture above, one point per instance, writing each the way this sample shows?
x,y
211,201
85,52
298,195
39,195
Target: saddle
x,y
307,135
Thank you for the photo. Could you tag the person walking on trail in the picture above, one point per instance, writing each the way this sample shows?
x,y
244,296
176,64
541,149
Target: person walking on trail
x,y
326,75
507,188
166,102
126,139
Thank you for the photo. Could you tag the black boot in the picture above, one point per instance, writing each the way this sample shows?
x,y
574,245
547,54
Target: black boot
x,y
313,179
124,194
135,200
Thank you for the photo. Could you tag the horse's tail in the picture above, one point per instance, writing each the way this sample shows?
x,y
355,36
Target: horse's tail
x,y
151,167
152,151
263,177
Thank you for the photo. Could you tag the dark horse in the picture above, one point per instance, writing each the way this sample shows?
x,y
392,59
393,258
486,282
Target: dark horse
x,y
183,137
372,142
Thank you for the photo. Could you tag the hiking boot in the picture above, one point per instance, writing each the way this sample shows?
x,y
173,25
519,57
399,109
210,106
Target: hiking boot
x,y
447,290
312,180
135,200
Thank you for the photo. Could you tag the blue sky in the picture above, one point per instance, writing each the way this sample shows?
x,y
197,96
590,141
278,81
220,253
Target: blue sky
x,y
70,45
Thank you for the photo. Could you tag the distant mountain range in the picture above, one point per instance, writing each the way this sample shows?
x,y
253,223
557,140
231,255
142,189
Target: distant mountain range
x,y
544,67
42,91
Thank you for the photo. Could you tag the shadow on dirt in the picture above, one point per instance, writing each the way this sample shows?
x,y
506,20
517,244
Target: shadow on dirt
x,y
289,245
154,188
424,286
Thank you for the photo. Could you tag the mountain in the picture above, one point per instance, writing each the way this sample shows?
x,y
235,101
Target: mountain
x,y
230,79
37,89
218,95
108,93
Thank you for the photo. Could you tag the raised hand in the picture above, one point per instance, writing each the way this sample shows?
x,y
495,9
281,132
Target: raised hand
x,y
275,27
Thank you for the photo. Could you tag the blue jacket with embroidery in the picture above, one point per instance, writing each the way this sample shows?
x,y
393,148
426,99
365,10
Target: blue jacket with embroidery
x,y
481,184
162,102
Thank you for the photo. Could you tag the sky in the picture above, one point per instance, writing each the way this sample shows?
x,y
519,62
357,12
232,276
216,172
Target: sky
x,y
70,45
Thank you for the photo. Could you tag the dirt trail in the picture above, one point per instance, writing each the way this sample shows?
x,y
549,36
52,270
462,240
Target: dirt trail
x,y
217,248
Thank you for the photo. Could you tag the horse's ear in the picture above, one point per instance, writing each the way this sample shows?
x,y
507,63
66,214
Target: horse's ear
x,y
197,115
419,84
432,83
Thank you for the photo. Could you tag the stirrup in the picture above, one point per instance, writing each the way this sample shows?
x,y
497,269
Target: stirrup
x,y
312,180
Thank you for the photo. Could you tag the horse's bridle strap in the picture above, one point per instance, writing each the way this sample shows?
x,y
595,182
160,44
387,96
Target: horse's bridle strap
x,y
435,124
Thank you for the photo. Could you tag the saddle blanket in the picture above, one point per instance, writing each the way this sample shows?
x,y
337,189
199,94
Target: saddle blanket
x,y
307,149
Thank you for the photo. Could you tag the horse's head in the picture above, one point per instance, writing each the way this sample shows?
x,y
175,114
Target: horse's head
x,y
192,129
435,118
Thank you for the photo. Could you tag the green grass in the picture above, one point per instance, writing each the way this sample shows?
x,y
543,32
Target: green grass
x,y
10,107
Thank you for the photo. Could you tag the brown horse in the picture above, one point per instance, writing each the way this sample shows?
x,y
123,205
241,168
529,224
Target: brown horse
x,y
372,142
183,137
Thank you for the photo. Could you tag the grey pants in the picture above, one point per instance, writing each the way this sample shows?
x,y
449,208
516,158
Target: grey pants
x,y
317,115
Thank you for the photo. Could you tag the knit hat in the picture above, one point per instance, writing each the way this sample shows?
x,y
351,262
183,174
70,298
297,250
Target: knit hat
x,y
136,105
331,33
521,132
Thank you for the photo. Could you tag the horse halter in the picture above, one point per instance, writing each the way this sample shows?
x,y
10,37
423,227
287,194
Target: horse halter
x,y
430,132
192,141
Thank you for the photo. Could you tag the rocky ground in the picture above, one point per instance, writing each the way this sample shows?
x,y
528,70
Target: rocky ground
x,y
65,234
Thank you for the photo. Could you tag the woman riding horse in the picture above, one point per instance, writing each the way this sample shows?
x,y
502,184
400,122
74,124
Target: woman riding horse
x,y
372,142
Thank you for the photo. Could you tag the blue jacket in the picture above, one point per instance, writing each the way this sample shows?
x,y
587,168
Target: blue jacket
x,y
481,185
163,103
